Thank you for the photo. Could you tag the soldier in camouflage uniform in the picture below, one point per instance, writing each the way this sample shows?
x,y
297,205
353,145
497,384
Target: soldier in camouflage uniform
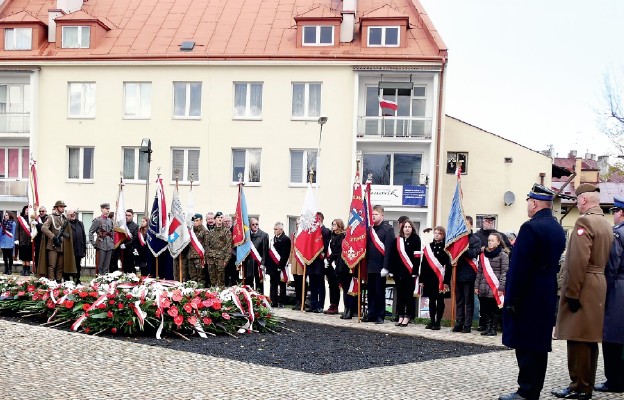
x,y
193,261
219,251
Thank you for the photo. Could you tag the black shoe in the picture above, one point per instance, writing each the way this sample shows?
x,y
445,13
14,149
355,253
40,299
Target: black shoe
x,y
456,328
379,321
429,325
435,327
318,311
466,330
512,396
482,328
568,393
297,307
604,388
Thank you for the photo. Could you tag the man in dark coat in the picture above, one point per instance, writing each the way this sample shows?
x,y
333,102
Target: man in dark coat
x,y
79,236
41,218
279,250
531,293
613,332
465,279
379,245
487,228
127,247
583,291
260,240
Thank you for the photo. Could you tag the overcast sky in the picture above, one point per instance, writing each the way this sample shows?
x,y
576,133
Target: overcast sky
x,y
531,70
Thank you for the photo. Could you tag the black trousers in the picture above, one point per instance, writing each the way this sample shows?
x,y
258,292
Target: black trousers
x,y
317,291
127,260
436,308
231,274
532,366
376,286
464,302
299,290
277,291
405,303
613,354
332,283
7,255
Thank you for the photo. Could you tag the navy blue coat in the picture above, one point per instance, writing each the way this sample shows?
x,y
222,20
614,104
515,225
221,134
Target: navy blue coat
x,y
465,272
531,287
375,260
614,306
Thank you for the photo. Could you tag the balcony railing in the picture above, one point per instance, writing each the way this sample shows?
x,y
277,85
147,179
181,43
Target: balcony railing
x,y
394,127
13,187
14,122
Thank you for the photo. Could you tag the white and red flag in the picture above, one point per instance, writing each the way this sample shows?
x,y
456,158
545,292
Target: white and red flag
x,y
179,236
388,104
120,228
309,242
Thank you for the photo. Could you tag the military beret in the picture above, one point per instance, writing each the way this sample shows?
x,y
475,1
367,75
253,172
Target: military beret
x,y
105,205
618,202
218,214
541,192
586,187
196,216
60,203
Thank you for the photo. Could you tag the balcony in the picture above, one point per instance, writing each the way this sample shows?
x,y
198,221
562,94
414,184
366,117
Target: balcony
x,y
418,128
13,188
14,122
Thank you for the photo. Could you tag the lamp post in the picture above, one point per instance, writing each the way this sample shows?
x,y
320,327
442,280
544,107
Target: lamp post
x,y
146,147
322,121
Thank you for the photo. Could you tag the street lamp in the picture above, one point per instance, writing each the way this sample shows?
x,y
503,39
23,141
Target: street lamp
x,y
322,121
146,147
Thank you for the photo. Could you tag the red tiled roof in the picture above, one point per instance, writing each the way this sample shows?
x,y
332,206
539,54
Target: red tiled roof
x,y
569,163
22,16
385,11
320,11
232,29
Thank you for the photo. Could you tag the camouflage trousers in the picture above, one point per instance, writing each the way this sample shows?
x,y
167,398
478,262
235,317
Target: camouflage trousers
x,y
216,268
192,270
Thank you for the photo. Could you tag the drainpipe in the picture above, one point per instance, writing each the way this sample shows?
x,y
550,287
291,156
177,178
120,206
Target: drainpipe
x,y
438,138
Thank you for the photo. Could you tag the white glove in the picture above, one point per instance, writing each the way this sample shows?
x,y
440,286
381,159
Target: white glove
x,y
326,262
16,242
384,273
123,246
33,233
135,252
263,269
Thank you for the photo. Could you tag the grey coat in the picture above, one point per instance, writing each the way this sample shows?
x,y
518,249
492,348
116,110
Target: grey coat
x,y
103,228
500,265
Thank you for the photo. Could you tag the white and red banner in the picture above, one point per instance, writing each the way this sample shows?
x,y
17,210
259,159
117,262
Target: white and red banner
x,y
354,243
179,236
403,254
491,279
309,242
120,228
437,267
388,104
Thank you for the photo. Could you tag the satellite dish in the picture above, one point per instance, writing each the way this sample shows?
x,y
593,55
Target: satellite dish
x,y
509,198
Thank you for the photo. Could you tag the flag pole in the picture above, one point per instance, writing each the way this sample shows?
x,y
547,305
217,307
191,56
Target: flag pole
x,y
359,292
121,253
179,255
310,179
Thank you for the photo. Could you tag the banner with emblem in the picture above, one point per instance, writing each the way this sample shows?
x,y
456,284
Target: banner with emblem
x,y
354,243
120,227
179,236
241,236
309,242
157,232
457,229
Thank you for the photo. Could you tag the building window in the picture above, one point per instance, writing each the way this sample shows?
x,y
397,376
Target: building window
x,y
479,220
82,99
76,37
184,164
137,100
318,35
452,158
14,108
248,100
80,165
247,163
409,119
14,162
187,99
301,161
387,36
306,100
18,39
393,168
134,164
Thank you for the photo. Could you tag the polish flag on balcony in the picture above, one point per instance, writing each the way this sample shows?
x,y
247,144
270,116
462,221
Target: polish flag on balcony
x,y
388,104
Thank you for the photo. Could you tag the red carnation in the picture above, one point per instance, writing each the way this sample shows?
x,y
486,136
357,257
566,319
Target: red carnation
x,y
177,295
120,306
101,306
216,305
178,320
111,302
192,320
207,321
129,322
21,293
157,313
207,303
128,296
225,316
87,330
188,308
110,296
83,294
166,303
113,330
173,311
86,307
93,294
30,288
68,304
109,314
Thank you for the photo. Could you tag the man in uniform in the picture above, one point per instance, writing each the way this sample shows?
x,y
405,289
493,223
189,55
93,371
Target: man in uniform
x,y
231,275
219,248
194,261
276,264
583,292
102,227
41,218
127,247
613,335
260,240
378,255
531,293
57,256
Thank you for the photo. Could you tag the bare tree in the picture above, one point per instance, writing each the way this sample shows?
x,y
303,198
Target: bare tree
x,y
611,113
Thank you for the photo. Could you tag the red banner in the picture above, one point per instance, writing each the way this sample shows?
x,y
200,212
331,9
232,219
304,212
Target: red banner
x,y
238,231
354,244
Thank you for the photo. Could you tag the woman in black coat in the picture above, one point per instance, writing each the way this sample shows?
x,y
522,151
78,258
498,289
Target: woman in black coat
x,y
404,267
429,280
342,272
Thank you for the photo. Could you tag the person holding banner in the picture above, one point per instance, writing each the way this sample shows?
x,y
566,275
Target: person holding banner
x,y
435,276
490,282
379,247
141,251
342,271
23,240
404,267
465,282
279,250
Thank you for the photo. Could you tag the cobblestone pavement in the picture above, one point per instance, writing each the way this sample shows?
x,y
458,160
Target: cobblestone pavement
x,y
39,362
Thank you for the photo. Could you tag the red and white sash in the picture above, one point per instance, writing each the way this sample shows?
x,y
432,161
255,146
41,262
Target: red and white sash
x,y
473,263
274,254
491,279
435,265
23,223
403,254
377,242
142,239
199,248
7,233
255,254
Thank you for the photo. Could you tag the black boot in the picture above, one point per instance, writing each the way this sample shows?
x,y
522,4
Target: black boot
x,y
488,325
431,324
348,314
492,328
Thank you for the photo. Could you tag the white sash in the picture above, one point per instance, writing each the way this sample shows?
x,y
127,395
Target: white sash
x,y
255,254
378,243
274,254
435,265
403,254
195,243
23,223
491,279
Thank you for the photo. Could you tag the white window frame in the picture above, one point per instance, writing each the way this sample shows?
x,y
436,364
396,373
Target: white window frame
x,y
83,100
392,154
247,114
79,45
20,152
187,108
141,86
137,162
306,104
13,46
317,41
246,171
81,177
383,36
183,176
304,178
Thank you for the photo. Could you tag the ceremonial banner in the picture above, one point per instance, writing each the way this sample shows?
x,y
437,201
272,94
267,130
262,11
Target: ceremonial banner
x,y
309,242
241,236
190,209
120,227
457,229
354,243
157,232
179,236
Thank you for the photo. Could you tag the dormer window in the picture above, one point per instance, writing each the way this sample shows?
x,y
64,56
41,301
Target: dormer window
x,y
76,37
383,36
318,35
18,39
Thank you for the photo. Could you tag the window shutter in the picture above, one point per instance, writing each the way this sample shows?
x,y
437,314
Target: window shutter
x,y
296,166
193,165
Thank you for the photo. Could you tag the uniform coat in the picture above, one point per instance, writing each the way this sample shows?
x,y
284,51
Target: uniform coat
x,y
49,230
375,261
583,278
614,275
429,279
295,266
103,228
531,287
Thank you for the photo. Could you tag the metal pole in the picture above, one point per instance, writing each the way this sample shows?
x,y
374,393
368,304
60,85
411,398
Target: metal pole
x,y
147,188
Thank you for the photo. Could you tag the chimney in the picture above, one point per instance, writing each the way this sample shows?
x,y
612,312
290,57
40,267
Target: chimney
x,y
603,164
588,156
572,154
347,27
69,6
578,168
52,14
